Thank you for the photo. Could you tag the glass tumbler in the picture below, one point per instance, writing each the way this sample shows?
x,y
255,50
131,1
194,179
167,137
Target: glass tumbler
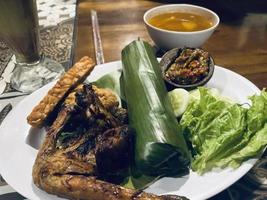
x,y
19,29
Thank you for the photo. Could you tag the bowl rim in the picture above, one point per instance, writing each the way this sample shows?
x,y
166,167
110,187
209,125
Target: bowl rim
x,y
188,86
182,32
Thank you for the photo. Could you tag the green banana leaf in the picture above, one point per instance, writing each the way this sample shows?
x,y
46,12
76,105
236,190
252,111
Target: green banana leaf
x,y
160,147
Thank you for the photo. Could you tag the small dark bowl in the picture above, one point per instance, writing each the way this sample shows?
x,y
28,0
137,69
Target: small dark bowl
x,y
169,57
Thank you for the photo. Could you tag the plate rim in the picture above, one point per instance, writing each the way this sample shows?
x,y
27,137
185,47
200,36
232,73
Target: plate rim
x,y
204,195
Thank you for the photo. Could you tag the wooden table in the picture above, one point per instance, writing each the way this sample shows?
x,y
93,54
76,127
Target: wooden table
x,y
239,44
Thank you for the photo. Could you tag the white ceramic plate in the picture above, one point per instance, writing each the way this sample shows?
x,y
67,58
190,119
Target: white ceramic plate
x,y
19,143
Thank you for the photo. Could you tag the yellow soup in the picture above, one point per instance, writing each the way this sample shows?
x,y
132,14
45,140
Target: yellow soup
x,y
180,21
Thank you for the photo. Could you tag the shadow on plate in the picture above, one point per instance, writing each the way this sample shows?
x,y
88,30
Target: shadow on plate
x,y
35,137
167,185
41,194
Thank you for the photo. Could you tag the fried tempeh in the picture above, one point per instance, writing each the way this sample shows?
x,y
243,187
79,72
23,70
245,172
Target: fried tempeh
x,y
70,80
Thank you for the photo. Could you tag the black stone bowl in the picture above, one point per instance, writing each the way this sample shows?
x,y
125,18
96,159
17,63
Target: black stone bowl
x,y
169,57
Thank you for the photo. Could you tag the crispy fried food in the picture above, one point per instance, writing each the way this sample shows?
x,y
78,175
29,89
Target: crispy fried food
x,y
73,77
90,188
71,171
107,97
71,98
115,144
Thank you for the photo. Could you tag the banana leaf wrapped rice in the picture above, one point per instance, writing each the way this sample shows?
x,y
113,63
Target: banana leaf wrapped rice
x,y
160,147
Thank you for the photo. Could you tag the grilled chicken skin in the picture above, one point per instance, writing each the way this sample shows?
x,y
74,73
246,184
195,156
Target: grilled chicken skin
x,y
71,170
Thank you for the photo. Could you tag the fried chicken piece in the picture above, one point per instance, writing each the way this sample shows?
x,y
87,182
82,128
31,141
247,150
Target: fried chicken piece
x,y
71,98
73,77
90,188
114,150
107,97
71,172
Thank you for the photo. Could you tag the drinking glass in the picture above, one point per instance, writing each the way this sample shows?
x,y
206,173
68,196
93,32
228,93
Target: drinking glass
x,y
19,29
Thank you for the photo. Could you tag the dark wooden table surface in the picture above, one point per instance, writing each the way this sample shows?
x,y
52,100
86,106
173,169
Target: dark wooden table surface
x,y
239,43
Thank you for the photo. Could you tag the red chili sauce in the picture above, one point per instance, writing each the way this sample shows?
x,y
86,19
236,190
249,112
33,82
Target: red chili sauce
x,y
191,66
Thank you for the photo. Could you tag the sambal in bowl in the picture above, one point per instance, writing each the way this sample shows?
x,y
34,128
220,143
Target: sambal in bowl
x,y
186,67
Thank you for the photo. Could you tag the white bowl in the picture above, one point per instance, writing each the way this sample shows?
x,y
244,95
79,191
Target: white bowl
x,y
166,39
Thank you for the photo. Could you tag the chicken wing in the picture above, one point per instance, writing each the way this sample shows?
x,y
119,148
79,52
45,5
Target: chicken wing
x,y
71,170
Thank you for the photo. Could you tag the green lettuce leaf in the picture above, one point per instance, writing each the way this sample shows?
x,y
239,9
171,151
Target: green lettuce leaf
x,y
223,133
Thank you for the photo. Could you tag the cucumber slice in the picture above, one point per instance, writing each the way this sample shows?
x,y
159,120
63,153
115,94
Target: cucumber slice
x,y
194,95
179,100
